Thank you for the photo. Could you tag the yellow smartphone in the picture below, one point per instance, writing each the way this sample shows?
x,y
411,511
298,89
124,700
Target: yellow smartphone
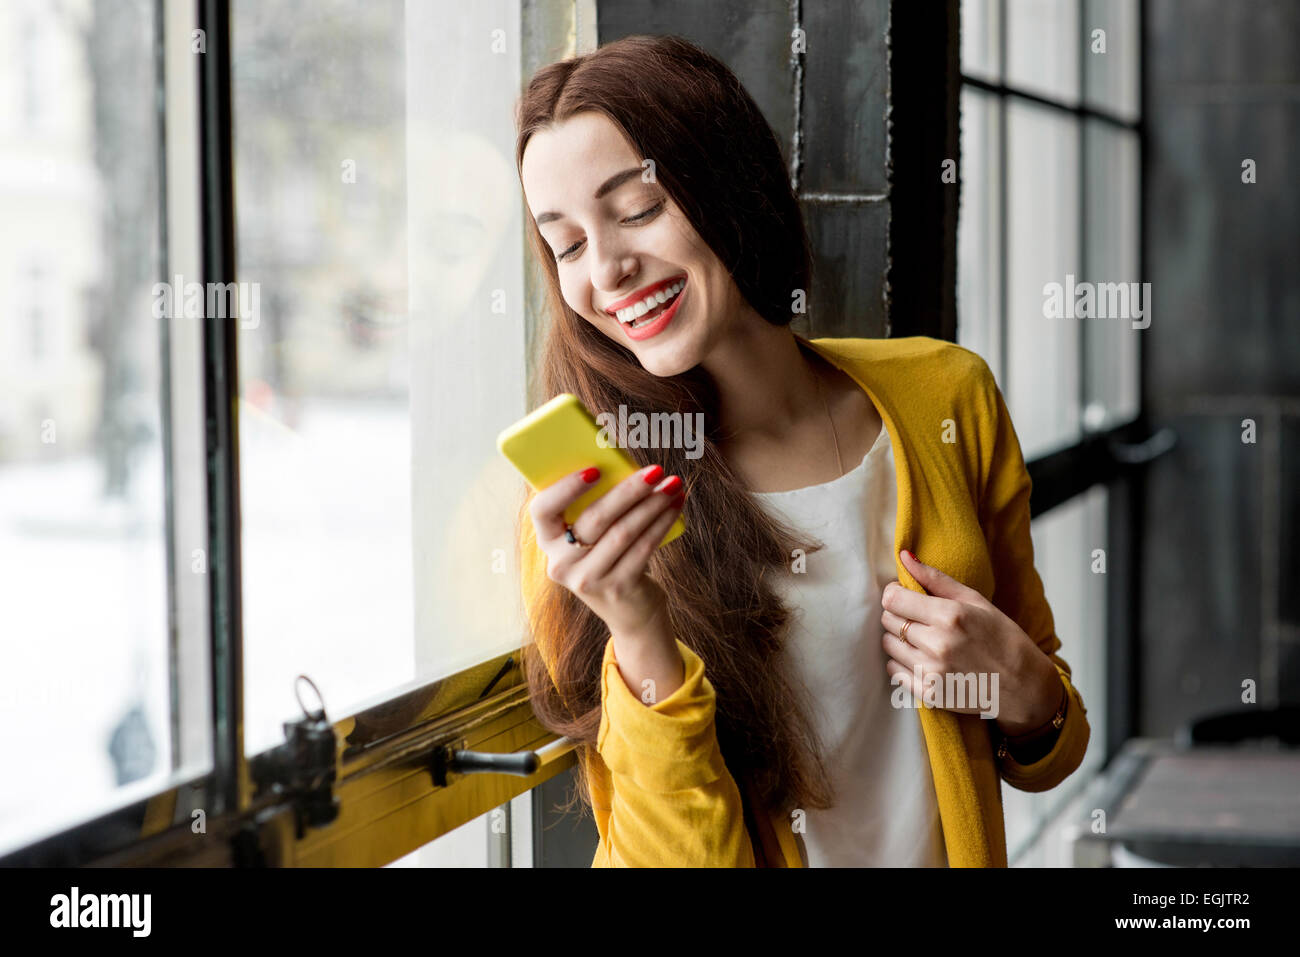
x,y
560,438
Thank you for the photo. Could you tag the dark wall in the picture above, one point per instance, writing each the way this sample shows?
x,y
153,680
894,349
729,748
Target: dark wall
x,y
1220,603
827,107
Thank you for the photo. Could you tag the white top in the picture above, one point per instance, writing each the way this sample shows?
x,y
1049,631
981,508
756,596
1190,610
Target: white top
x,y
886,813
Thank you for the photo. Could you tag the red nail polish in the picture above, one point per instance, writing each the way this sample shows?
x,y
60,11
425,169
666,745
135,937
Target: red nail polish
x,y
653,476
680,500
672,485
590,475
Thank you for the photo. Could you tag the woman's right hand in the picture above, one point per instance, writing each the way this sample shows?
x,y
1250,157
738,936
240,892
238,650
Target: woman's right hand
x,y
623,528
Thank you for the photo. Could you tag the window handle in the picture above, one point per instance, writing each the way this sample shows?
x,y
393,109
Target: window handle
x,y
1148,450
449,760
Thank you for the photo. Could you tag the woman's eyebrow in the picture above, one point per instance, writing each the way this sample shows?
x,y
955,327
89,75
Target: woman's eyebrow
x,y
613,183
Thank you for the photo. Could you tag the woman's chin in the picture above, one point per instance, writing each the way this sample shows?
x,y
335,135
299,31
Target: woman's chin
x,y
669,361
665,372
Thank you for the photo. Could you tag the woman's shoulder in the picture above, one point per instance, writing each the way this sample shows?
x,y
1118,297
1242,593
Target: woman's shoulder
x,y
921,366
914,349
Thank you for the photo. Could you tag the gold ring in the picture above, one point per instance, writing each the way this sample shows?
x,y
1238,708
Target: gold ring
x,y
573,539
903,633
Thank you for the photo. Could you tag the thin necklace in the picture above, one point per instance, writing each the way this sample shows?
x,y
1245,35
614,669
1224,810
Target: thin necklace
x,y
834,435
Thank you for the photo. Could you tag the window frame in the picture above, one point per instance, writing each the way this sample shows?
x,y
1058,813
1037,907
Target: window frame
x,y
1115,456
1057,475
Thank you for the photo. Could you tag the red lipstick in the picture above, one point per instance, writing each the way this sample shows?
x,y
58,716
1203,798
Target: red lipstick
x,y
641,294
659,322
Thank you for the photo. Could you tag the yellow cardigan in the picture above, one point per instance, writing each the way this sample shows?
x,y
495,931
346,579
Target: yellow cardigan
x,y
661,792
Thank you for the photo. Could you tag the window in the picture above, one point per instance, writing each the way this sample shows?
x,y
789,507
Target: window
x,y
1049,221
178,543
376,201
1050,195
87,651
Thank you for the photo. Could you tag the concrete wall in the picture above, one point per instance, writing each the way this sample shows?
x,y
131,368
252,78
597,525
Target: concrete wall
x,y
1222,516
828,110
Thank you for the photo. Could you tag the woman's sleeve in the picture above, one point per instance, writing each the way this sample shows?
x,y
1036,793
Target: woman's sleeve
x,y
672,801
1018,590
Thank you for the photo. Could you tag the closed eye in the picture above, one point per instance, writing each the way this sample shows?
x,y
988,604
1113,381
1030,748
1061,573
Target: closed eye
x,y
653,209
631,219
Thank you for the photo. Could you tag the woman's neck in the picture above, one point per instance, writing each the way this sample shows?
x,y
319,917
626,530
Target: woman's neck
x,y
767,387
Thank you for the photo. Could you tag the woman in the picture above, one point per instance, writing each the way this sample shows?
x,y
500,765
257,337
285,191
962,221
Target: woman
x,y
676,258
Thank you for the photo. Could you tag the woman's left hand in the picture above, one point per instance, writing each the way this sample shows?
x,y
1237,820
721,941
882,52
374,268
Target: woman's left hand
x,y
956,630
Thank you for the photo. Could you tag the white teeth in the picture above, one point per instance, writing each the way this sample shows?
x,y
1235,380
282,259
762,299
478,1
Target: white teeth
x,y
632,313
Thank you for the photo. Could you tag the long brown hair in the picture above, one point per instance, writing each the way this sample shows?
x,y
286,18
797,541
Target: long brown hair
x,y
725,171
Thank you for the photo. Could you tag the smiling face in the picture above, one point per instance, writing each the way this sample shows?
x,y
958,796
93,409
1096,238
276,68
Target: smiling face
x,y
621,243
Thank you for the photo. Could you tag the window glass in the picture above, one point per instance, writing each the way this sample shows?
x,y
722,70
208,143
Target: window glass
x,y
1110,50
1043,259
379,218
979,259
85,706
979,39
1112,215
1043,47
1071,555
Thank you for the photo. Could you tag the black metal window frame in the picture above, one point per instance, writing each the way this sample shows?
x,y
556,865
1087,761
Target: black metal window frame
x,y
1107,454
1115,457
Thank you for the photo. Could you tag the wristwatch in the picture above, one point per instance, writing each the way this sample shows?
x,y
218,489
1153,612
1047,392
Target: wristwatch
x,y
1050,727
